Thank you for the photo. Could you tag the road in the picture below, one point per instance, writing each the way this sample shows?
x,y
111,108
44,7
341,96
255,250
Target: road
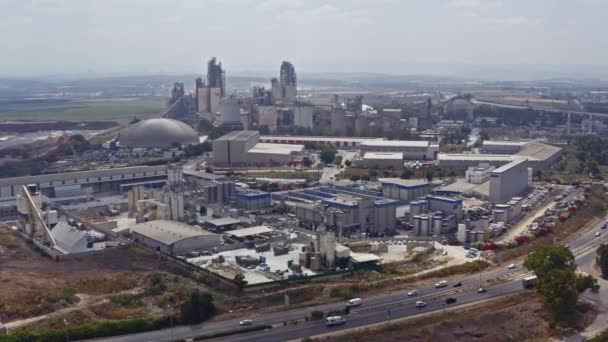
x,y
499,281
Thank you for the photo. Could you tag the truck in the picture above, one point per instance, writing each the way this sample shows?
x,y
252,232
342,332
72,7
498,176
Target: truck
x,y
529,282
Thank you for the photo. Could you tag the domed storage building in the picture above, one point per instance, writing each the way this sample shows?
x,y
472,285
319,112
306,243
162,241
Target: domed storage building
x,y
158,132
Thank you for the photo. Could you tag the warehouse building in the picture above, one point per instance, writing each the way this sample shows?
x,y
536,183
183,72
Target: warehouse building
x,y
404,189
84,183
379,160
413,150
172,237
241,148
509,181
539,156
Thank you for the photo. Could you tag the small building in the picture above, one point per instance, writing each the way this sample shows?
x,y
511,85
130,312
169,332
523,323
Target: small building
x,y
252,200
70,239
251,231
173,237
479,174
224,223
404,189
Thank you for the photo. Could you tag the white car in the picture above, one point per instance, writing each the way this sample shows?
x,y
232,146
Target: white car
x,y
412,293
441,284
420,304
246,322
598,233
512,266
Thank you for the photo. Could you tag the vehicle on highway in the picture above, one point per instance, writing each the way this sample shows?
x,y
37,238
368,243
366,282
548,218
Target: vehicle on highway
x,y
420,304
246,322
512,266
529,282
354,302
604,225
441,284
598,234
412,293
481,290
334,320
444,253
450,300
458,284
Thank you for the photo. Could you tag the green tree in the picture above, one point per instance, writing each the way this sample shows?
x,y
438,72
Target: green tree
x,y
239,280
602,259
338,159
197,308
348,163
558,282
355,178
407,174
328,154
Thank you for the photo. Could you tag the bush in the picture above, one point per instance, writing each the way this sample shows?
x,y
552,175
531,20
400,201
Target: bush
x,y
198,308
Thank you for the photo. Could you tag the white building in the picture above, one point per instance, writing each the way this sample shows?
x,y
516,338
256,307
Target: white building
x,y
479,174
508,181
380,160
414,150
240,148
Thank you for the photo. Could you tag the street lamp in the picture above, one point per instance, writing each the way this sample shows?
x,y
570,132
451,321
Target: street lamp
x,y
67,330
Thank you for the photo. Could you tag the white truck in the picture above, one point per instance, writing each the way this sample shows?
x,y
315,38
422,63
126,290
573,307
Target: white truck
x,y
334,320
529,282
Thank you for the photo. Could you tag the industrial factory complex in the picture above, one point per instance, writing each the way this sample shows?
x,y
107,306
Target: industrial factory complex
x,y
221,210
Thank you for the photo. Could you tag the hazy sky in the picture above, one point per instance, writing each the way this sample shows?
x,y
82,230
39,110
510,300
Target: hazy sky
x,y
134,36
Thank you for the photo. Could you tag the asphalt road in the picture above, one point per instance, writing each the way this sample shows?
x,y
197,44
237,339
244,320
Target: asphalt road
x,y
499,282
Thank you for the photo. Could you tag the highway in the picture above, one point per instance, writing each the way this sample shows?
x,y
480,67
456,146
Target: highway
x,y
499,281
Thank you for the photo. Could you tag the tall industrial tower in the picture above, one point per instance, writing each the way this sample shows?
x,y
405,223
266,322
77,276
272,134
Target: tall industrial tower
x,y
288,82
216,75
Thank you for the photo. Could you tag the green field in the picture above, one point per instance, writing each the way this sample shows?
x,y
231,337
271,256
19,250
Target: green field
x,y
120,110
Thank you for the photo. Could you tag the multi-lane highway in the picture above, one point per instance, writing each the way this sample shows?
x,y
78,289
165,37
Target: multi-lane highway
x,y
499,281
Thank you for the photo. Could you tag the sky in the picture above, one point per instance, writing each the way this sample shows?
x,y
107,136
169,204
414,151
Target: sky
x,y
54,37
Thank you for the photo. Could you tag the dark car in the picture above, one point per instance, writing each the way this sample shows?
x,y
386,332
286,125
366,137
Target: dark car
x,y
450,300
458,284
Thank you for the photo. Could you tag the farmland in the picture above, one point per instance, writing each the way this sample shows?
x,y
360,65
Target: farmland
x,y
119,110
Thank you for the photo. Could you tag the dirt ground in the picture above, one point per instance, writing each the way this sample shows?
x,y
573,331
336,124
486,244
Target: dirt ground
x,y
32,284
517,318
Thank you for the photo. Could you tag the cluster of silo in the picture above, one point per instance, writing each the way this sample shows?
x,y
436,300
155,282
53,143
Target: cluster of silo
x,y
431,224
508,212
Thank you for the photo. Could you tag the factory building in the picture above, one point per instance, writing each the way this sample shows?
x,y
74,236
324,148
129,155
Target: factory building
x,y
338,142
172,237
215,189
404,189
413,150
240,148
508,181
344,209
479,174
501,147
85,183
380,160
252,200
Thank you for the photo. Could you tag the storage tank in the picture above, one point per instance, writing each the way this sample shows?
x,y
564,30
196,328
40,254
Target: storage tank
x,y
424,225
230,111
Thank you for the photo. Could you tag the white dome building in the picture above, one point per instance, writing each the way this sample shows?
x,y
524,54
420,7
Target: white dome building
x,y
158,132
